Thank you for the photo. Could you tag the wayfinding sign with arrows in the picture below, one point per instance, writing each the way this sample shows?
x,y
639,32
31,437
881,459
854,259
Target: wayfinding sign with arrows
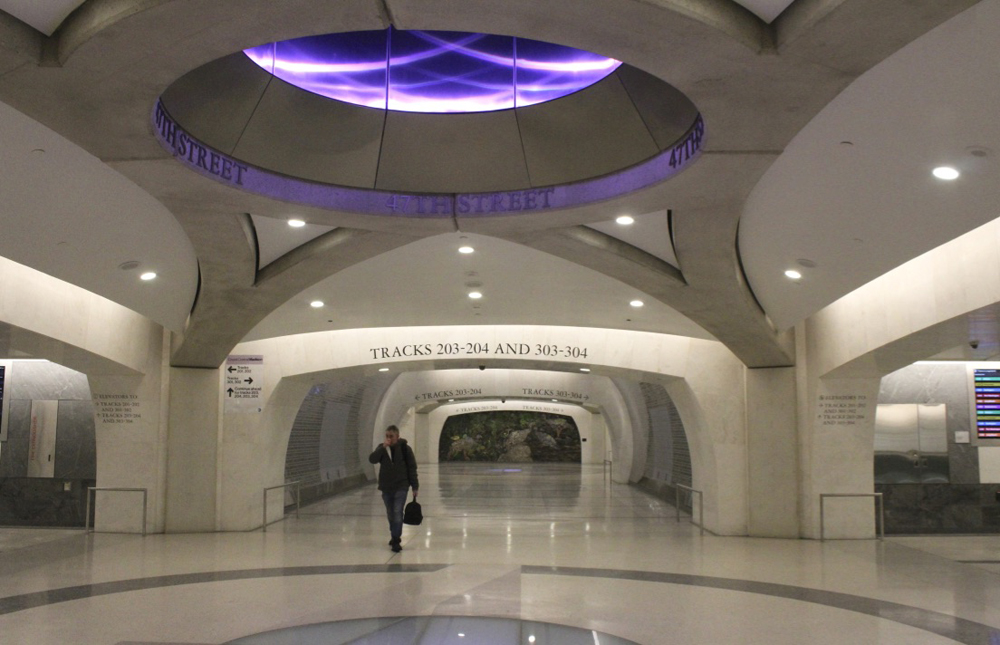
x,y
244,383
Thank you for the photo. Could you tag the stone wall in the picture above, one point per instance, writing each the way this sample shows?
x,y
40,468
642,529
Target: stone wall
x,y
47,501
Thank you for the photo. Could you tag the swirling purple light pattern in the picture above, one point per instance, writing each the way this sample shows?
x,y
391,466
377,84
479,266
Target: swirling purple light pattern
x,y
432,71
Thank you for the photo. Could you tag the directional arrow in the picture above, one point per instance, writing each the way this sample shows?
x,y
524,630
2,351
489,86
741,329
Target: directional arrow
x,y
249,380
231,369
230,390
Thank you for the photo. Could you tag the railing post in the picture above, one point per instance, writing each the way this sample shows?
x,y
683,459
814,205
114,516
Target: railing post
x,y
298,501
701,505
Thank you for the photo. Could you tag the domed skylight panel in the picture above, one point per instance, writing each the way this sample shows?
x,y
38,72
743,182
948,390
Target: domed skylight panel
x,y
432,71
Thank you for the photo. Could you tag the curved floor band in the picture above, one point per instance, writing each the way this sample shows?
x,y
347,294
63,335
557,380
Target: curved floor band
x,y
957,629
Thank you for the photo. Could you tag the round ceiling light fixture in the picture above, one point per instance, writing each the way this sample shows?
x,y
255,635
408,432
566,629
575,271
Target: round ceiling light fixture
x,y
296,223
636,303
316,304
148,275
792,274
475,295
625,220
432,71
465,250
947,173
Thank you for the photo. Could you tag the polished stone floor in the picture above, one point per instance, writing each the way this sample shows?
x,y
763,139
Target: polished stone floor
x,y
546,546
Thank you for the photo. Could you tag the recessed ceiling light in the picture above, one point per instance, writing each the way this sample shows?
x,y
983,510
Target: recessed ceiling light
x,y
148,275
316,304
383,369
466,249
584,369
127,265
624,220
296,223
636,303
555,400
792,274
945,172
475,295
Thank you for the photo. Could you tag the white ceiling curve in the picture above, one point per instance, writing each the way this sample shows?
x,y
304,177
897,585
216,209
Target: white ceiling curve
x,y
69,215
427,283
43,15
853,191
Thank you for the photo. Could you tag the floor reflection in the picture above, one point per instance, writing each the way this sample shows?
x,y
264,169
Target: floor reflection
x,y
497,489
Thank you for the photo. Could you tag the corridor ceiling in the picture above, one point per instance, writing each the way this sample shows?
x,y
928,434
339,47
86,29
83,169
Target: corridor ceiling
x,y
822,126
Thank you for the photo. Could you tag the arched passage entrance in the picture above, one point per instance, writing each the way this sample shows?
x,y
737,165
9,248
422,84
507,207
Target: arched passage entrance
x,y
708,393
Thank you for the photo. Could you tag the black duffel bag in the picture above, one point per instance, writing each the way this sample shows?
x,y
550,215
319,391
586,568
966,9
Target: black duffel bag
x,y
413,514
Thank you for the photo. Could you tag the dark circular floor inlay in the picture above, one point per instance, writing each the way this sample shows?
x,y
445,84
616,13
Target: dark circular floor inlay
x,y
436,630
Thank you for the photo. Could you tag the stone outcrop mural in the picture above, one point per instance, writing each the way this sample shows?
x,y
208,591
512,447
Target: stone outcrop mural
x,y
516,437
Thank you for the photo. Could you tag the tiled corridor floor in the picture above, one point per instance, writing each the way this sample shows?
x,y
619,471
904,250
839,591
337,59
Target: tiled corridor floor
x,y
555,545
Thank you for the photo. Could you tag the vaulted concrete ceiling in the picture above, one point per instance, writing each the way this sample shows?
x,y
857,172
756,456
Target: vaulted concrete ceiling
x,y
756,85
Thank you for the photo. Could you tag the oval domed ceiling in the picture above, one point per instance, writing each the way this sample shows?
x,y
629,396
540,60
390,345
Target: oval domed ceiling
x,y
459,121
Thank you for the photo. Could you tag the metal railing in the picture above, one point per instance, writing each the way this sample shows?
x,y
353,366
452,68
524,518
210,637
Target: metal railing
x,y
94,489
298,501
701,505
881,511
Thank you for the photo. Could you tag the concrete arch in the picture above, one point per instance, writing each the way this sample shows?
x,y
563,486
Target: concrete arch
x,y
912,312
44,317
711,404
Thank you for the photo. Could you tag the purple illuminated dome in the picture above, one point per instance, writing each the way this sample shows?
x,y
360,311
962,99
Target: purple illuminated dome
x,y
432,71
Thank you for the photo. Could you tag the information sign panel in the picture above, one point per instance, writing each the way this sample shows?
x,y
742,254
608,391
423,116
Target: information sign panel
x,y
244,383
986,387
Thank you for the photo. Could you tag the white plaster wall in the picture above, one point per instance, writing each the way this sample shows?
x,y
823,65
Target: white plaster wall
x,y
633,462
772,453
581,417
134,455
195,472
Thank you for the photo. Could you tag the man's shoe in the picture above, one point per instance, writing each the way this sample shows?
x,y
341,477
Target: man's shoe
x,y
396,548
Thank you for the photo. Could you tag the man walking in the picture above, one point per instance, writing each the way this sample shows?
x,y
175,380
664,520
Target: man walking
x,y
396,475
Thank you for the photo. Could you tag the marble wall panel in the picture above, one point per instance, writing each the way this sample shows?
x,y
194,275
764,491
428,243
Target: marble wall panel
x,y
939,383
76,443
940,508
41,380
14,451
42,502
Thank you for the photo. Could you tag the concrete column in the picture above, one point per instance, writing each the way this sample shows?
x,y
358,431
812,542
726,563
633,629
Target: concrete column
x,y
192,450
131,432
772,453
837,440
422,438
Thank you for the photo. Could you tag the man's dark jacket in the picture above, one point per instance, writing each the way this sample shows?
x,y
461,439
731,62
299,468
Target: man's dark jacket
x,y
398,472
